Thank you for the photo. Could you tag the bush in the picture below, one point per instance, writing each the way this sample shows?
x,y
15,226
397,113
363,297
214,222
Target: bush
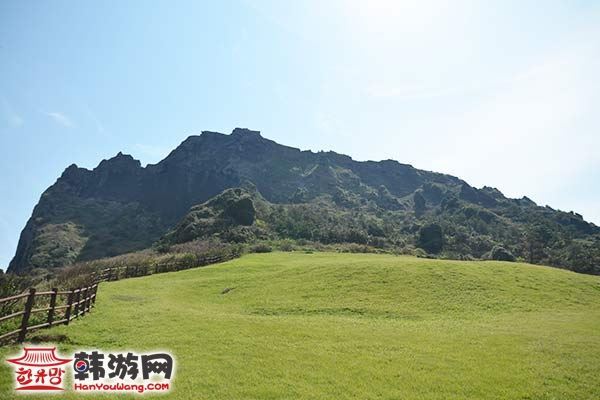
x,y
431,238
262,248
286,246
356,248
420,253
501,254
10,285
162,247
238,234
76,276
241,211
418,203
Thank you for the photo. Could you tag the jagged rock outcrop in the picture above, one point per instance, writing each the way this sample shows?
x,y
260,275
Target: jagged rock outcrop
x,y
120,206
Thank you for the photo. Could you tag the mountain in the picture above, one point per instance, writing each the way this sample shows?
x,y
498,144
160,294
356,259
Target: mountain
x,y
243,187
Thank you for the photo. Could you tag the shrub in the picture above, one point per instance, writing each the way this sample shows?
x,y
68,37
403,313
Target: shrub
x,y
162,247
241,211
501,254
75,276
431,238
420,253
356,248
10,285
262,248
286,246
418,203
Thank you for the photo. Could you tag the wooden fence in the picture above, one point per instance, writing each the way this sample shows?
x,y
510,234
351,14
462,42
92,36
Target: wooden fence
x,y
77,303
116,273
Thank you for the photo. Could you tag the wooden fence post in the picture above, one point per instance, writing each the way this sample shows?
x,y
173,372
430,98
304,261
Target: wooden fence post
x,y
88,302
69,306
26,314
84,299
95,294
77,297
84,295
52,306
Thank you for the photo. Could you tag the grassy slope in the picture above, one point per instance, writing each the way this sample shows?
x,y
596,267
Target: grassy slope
x,y
357,326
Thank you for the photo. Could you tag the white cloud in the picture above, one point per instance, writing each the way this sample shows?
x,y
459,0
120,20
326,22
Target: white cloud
x,y
60,118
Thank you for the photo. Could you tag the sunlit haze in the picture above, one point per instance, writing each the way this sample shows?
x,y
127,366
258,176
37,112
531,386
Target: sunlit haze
x,y
503,95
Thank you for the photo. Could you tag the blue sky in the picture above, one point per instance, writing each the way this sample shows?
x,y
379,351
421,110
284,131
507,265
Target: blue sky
x,y
503,93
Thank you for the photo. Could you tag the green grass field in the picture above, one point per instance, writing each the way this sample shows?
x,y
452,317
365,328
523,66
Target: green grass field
x,y
355,326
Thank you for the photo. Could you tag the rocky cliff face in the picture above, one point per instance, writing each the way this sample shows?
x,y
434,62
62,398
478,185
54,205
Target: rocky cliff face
x,y
120,206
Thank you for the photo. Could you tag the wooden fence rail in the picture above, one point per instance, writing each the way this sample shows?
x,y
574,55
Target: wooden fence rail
x,y
79,301
76,305
117,273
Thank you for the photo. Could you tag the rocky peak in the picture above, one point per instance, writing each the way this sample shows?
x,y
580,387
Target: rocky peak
x,y
210,140
73,174
121,162
70,171
244,133
526,201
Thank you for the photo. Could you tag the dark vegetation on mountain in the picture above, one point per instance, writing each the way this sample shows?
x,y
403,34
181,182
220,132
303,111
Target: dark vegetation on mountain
x,y
243,188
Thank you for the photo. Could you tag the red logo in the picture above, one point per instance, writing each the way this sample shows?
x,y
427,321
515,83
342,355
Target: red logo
x,y
39,369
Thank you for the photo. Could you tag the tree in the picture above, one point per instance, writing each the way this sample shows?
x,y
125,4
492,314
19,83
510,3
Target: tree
x,y
419,203
537,238
501,254
241,211
431,238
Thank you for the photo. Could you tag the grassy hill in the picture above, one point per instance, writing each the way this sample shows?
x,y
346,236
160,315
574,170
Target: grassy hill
x,y
356,326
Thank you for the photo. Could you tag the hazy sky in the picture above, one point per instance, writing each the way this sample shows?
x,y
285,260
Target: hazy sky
x,y
504,93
